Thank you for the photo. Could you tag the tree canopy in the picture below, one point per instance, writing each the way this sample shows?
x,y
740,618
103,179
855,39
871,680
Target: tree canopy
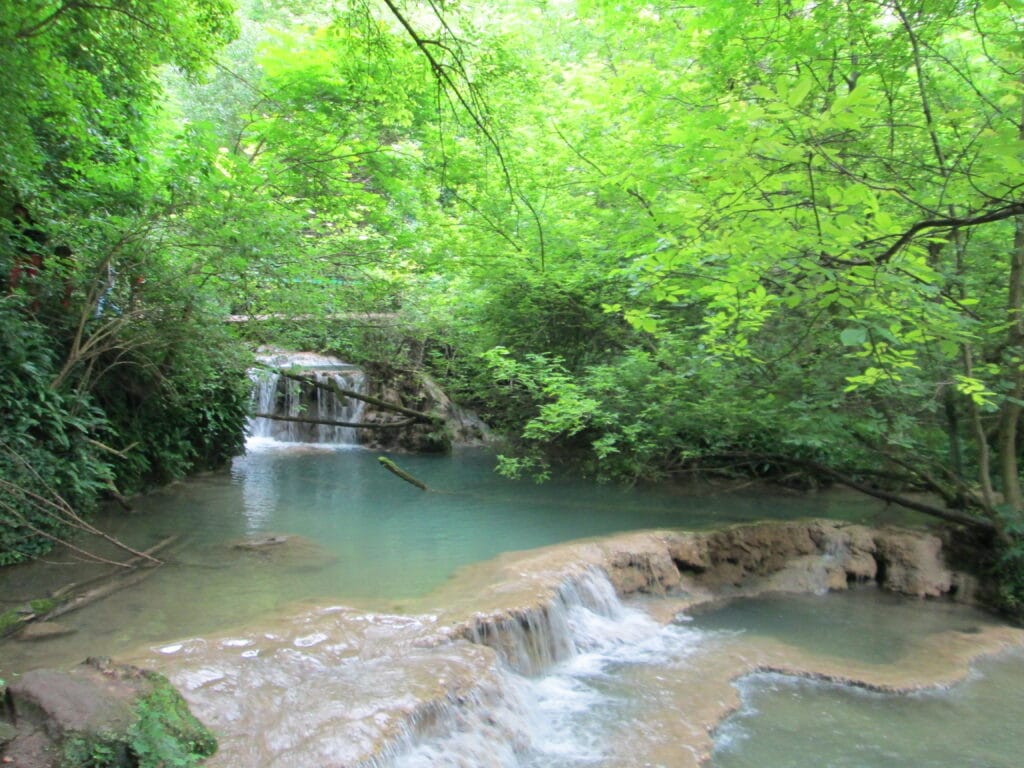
x,y
644,239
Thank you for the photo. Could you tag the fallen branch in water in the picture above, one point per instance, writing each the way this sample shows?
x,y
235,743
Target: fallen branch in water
x,y
53,506
73,596
394,469
332,386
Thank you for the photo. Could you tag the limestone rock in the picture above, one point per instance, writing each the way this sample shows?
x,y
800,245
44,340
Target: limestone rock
x,y
912,564
801,556
689,553
641,569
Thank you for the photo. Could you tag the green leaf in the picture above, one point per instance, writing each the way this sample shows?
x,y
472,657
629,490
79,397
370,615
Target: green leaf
x,y
854,336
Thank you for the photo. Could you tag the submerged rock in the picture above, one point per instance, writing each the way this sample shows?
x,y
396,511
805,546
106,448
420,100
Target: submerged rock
x,y
44,630
101,713
285,551
258,543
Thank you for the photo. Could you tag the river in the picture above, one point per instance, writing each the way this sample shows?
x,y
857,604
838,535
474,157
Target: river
x,y
349,613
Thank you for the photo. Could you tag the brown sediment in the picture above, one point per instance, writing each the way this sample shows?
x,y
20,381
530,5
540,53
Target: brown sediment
x,y
337,687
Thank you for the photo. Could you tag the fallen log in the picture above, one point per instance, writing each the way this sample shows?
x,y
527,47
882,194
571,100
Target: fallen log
x,y
394,469
333,386
97,593
329,423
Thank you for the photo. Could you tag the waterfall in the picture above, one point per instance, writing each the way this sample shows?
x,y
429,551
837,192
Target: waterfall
x,y
559,659
283,396
532,640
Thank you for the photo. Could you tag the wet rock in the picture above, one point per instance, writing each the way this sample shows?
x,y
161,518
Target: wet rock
x,y
419,392
912,564
117,710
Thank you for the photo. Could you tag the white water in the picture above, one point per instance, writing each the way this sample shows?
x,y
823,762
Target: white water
x,y
588,682
562,695
273,393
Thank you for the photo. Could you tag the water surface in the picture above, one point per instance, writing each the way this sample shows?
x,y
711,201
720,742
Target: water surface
x,y
630,696
792,723
365,537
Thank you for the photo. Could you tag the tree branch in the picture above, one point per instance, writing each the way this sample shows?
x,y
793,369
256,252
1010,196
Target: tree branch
x,y
999,214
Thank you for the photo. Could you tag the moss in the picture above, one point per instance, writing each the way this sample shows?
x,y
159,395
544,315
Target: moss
x,y
13,619
165,734
94,751
44,605
9,621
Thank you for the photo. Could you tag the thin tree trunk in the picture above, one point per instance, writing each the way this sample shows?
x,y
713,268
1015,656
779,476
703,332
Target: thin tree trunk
x,y
984,454
1011,410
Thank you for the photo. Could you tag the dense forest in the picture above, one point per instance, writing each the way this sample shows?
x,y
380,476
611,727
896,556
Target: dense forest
x,y
643,240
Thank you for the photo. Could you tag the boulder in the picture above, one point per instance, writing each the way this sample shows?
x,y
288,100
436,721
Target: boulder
x,y
101,713
912,564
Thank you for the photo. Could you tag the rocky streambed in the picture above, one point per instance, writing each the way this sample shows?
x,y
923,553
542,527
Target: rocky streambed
x,y
471,674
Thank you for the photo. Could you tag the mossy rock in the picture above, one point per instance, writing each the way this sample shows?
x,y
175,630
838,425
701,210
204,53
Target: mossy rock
x,y
104,715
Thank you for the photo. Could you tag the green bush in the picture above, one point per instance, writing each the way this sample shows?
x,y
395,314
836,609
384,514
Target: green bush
x,y
45,449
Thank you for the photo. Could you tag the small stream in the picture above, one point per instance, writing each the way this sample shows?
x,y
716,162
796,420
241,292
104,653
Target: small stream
x,y
337,644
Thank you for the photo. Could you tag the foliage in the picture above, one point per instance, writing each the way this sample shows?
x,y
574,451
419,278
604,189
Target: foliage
x,y
80,213
44,441
641,238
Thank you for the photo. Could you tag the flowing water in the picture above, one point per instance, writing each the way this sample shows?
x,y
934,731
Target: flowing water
x,y
346,650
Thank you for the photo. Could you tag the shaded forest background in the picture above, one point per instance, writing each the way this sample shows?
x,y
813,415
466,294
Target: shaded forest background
x,y
644,240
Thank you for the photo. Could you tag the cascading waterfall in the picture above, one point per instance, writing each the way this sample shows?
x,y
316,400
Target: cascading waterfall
x,y
557,659
284,396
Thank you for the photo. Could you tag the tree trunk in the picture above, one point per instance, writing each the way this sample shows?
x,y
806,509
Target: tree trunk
x,y
1011,410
